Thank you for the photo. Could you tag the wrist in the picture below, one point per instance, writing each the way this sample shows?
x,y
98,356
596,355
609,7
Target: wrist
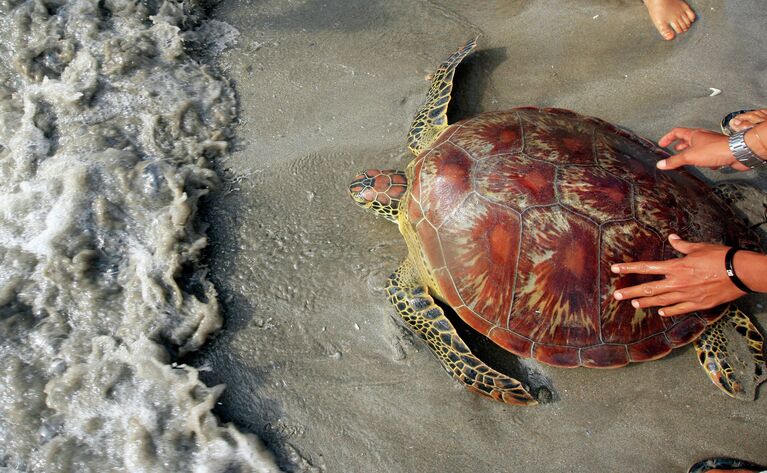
x,y
742,152
751,267
754,140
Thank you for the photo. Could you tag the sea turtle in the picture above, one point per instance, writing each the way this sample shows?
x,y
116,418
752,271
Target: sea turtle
x,y
513,219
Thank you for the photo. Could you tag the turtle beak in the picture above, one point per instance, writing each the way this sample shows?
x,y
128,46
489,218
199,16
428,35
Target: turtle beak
x,y
359,189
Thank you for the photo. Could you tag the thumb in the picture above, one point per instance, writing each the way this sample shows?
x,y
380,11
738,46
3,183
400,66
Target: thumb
x,y
673,162
682,246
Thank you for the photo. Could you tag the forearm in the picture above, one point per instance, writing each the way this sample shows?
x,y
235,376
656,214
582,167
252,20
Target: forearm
x,y
751,268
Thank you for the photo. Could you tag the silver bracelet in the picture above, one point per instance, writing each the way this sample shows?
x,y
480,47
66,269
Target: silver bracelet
x,y
742,152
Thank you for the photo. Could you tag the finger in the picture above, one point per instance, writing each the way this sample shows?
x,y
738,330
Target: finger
x,y
741,124
644,291
673,162
679,309
663,300
681,146
682,246
642,267
739,167
675,134
756,116
748,119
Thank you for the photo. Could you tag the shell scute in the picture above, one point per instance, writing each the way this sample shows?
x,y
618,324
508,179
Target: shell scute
x,y
431,245
447,287
444,181
493,133
556,355
687,330
651,348
515,180
512,341
615,157
556,297
483,240
605,356
621,322
475,321
561,141
594,192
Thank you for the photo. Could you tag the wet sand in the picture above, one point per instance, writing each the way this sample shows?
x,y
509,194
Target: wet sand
x,y
315,362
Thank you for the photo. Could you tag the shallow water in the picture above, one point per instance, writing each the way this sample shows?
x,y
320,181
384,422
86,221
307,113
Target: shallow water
x,y
107,133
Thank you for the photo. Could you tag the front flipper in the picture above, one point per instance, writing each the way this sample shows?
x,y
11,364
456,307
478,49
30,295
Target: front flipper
x,y
731,352
417,308
431,118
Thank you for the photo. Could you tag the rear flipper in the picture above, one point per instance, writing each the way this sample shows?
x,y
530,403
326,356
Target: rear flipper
x,y
731,352
749,203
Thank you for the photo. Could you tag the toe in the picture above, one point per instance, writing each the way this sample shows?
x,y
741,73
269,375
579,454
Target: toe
x,y
690,15
665,31
677,28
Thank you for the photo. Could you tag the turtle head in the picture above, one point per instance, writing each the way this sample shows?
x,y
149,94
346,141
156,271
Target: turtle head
x,y
380,190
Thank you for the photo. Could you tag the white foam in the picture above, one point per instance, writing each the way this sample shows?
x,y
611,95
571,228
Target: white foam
x,y
100,175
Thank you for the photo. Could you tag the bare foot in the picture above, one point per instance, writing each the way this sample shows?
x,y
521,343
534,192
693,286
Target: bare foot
x,y
671,17
748,119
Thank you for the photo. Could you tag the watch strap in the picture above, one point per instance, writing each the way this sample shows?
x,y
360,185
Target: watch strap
x,y
742,152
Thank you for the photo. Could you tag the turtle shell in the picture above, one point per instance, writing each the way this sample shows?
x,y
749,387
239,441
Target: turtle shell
x,y
518,215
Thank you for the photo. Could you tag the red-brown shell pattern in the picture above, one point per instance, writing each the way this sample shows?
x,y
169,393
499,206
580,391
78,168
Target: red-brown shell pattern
x,y
520,215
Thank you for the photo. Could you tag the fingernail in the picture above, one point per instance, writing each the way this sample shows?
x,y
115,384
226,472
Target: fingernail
x,y
615,268
661,164
618,295
674,236
635,303
660,311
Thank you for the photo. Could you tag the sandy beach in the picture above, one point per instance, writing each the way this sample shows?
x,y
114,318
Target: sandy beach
x,y
315,362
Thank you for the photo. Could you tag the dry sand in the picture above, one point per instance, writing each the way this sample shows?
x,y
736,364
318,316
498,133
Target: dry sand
x,y
314,358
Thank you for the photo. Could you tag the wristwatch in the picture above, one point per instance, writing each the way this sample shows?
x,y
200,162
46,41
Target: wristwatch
x,y
742,152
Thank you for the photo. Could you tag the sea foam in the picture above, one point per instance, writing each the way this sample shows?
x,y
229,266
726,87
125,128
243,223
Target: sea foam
x,y
107,132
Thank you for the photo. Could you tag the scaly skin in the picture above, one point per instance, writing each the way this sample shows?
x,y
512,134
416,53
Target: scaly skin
x,y
711,348
431,119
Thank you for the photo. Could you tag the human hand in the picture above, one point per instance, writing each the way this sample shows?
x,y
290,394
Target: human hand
x,y
747,120
698,147
693,282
